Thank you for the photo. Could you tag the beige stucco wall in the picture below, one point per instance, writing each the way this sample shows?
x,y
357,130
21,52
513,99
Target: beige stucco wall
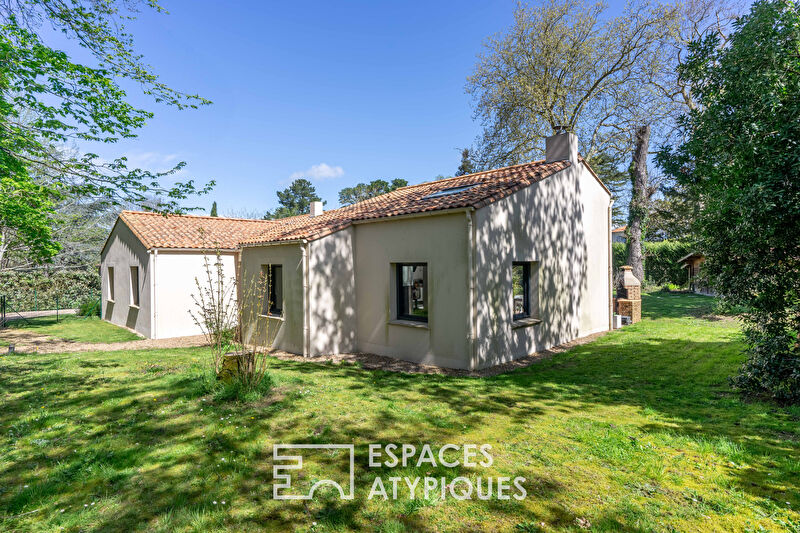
x,y
332,294
174,274
441,242
561,223
286,333
123,250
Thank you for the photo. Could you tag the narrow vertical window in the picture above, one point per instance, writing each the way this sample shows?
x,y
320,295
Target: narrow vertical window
x,y
273,302
110,281
521,282
135,286
412,291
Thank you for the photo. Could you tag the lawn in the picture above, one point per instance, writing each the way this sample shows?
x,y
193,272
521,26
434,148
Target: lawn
x,y
638,431
75,328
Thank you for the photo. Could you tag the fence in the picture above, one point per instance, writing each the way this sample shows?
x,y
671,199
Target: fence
x,y
40,293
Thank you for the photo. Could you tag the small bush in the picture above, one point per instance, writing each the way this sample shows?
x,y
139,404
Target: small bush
x,y
235,390
773,366
89,307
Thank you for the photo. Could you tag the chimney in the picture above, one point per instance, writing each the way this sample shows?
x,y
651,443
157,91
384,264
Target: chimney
x,y
561,146
316,209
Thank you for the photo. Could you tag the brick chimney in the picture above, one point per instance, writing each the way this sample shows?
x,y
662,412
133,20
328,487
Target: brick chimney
x,y
316,209
561,146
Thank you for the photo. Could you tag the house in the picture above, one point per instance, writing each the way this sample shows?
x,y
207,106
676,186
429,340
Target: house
x,y
149,264
692,263
618,234
466,272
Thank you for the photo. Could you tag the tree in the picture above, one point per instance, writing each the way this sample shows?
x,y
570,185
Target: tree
x,y
672,214
25,211
214,209
640,201
617,182
365,191
47,100
294,200
566,65
466,166
740,158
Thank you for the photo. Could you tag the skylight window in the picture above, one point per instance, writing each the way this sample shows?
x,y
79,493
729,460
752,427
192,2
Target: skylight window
x,y
449,191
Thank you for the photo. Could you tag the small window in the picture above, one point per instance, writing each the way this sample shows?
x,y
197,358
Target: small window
x,y
135,286
521,282
412,291
273,304
110,281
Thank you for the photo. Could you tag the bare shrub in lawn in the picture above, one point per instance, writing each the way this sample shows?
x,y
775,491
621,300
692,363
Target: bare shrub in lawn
x,y
223,306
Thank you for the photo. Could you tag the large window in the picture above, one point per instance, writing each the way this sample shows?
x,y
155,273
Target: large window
x,y
135,286
412,291
521,282
273,302
110,282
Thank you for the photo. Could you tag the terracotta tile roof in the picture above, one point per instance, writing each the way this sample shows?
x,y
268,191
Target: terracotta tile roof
x,y
621,228
190,231
472,190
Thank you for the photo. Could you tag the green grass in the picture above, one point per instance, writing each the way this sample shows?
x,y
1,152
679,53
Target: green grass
x,y
76,329
638,431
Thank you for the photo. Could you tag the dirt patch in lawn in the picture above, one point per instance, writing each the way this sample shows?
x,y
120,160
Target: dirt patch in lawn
x,y
30,342
378,362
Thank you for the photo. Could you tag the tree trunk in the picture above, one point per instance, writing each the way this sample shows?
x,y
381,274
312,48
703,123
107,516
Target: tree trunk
x,y
637,212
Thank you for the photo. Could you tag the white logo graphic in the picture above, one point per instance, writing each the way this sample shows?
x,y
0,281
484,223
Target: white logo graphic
x,y
283,481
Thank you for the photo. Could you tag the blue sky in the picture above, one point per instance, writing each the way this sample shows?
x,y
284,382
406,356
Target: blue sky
x,y
367,89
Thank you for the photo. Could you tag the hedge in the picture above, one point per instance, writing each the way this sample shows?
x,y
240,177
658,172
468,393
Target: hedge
x,y
43,289
660,261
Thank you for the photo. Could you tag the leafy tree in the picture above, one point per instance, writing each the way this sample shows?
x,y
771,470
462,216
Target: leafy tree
x,y
466,166
741,160
617,182
672,214
294,200
365,191
48,100
565,64
25,211
214,209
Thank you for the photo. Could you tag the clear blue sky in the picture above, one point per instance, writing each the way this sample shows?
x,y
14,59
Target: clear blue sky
x,y
371,89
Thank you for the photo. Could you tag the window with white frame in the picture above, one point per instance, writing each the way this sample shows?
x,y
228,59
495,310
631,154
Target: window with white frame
x,y
134,286
110,282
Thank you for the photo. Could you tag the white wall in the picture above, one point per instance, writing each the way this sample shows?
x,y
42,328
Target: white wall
x,y
561,223
332,294
123,250
174,274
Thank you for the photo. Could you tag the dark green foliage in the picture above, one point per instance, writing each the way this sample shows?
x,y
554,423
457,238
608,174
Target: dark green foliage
x,y
617,181
466,166
294,200
660,261
365,191
89,307
27,291
741,160
214,209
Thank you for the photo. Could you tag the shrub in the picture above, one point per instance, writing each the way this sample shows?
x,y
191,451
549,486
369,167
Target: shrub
x,y
43,289
89,307
660,261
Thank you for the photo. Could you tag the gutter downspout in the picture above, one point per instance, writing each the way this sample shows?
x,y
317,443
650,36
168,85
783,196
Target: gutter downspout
x,y
610,270
470,215
153,307
304,250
